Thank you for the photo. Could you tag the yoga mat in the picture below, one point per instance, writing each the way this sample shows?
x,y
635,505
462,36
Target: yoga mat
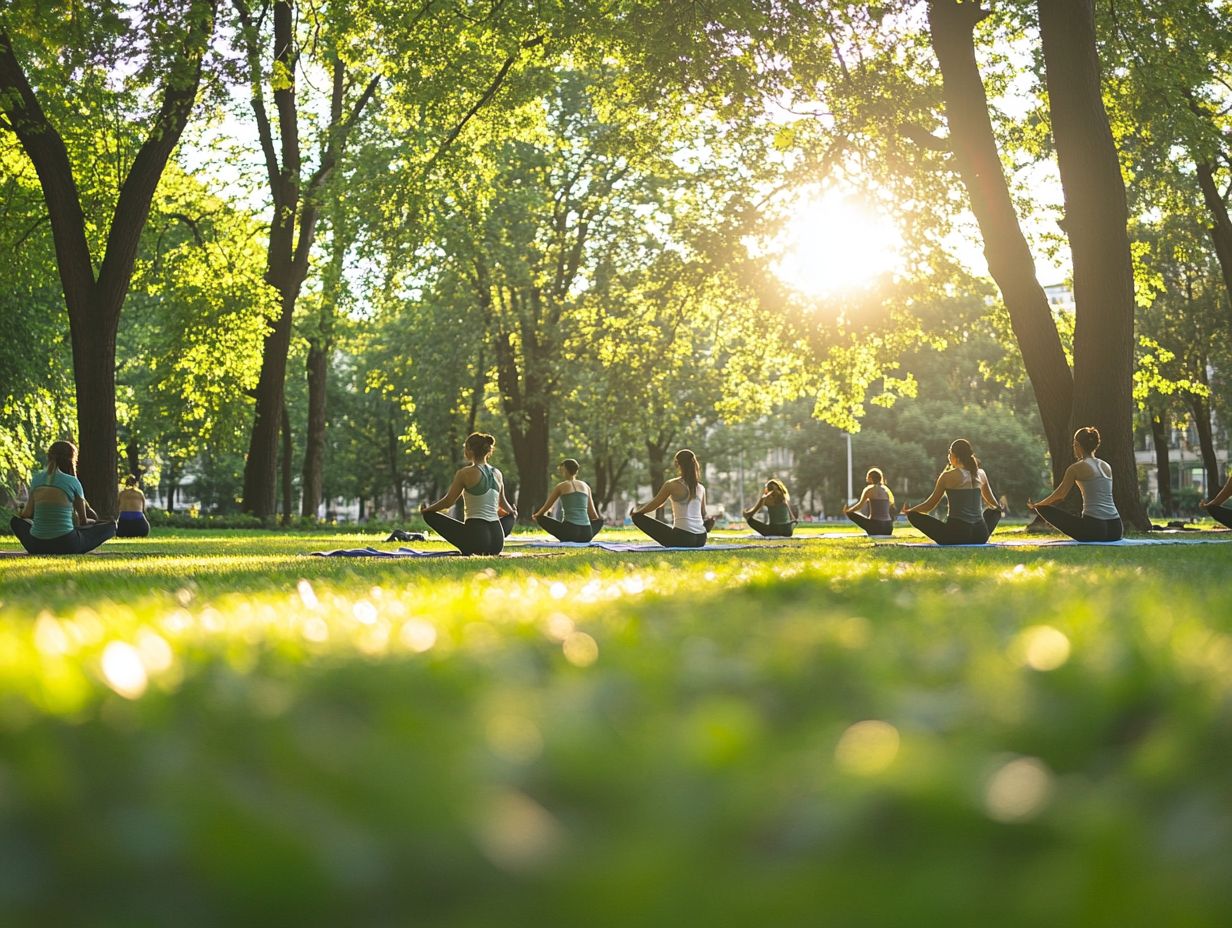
x,y
404,553
1054,543
627,547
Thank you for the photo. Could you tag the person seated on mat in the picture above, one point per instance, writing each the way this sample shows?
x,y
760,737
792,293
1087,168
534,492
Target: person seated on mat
x,y
581,520
780,519
132,522
965,487
688,497
1100,520
1215,507
46,524
872,511
489,517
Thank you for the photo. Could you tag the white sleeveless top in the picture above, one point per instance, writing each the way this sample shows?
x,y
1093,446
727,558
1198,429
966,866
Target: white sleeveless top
x,y
688,515
1097,501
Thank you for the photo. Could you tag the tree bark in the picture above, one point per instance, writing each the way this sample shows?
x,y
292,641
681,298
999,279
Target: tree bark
x,y
1163,466
1010,262
286,466
314,434
1096,223
1220,228
94,302
1200,408
293,227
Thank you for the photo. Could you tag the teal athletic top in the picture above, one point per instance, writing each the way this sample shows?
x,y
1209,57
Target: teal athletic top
x,y
51,520
480,501
779,515
574,508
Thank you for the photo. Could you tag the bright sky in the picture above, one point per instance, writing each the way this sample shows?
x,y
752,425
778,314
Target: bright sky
x,y
834,243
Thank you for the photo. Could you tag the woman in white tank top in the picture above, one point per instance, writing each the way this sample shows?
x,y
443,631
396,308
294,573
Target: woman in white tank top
x,y
1100,520
688,498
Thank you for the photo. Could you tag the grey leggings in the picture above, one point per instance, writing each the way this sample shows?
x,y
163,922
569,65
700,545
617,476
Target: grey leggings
x,y
668,535
955,531
1081,528
570,531
80,540
474,536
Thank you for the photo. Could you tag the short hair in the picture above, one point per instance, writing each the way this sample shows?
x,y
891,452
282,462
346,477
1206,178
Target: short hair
x,y
570,465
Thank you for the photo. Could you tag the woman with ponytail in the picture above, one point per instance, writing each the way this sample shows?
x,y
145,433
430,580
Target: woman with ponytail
x,y
688,497
779,518
46,525
1100,520
489,517
873,511
973,510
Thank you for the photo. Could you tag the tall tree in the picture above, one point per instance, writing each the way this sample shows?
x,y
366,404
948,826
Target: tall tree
x,y
273,53
1096,224
176,39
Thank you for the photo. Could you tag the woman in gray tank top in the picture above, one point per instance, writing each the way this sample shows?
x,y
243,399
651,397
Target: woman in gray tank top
x,y
877,517
973,509
489,517
581,521
1100,520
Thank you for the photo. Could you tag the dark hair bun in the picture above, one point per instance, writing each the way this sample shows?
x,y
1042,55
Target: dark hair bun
x,y
480,444
1087,438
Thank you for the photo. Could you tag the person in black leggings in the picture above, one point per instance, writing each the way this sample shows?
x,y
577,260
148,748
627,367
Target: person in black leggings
x,y
1100,520
688,497
973,509
780,520
1215,507
489,516
581,521
878,502
56,518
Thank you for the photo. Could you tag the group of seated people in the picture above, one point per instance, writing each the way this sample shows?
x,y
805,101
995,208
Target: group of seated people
x,y
57,520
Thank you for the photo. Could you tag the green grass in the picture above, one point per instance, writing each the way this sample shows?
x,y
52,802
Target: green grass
x,y
205,728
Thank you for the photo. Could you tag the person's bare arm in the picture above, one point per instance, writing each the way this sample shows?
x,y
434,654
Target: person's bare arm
x,y
931,503
590,505
1057,495
27,511
547,504
503,502
660,498
1221,497
990,499
450,497
861,502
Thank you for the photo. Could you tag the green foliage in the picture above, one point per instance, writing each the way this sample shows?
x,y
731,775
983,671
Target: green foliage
x,y
881,735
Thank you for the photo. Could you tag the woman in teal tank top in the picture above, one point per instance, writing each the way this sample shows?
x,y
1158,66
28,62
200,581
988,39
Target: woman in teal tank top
x,y
56,519
581,521
780,520
974,511
489,516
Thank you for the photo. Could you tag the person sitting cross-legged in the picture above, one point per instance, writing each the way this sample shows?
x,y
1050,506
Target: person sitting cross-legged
x,y
56,519
973,510
581,521
1100,520
873,511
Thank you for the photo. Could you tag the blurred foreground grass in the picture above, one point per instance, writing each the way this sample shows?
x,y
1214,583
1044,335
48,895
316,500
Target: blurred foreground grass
x,y
208,729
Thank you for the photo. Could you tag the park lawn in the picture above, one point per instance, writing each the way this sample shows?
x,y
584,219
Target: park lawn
x,y
207,728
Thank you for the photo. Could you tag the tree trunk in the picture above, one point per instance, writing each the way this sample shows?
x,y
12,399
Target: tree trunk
x,y
1163,466
94,351
656,465
287,451
530,453
261,467
1005,247
314,434
1201,411
395,472
1096,221
1220,228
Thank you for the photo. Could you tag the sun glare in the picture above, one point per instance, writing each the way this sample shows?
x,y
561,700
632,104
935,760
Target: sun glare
x,y
834,243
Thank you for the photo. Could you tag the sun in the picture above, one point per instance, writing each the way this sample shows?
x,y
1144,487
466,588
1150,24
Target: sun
x,y
834,243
